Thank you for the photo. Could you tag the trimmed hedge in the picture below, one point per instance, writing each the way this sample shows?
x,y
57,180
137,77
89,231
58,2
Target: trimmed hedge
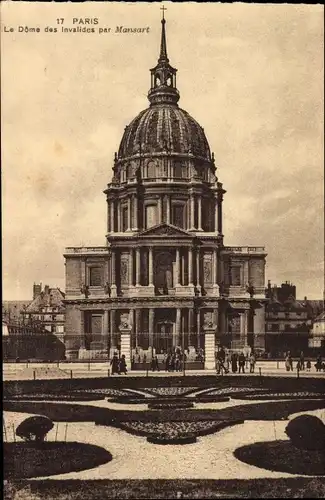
x,y
306,432
170,406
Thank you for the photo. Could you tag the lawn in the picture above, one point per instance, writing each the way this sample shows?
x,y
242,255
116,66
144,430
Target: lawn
x,y
24,460
168,489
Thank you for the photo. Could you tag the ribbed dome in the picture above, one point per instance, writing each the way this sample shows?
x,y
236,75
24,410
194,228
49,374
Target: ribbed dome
x,y
164,127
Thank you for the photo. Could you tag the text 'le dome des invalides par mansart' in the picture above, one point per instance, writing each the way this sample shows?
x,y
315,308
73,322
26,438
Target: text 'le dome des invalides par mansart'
x,y
164,281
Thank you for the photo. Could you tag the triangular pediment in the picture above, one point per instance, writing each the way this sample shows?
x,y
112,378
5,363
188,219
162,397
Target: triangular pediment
x,y
165,230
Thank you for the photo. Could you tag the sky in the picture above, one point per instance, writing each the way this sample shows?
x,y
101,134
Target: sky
x,y
251,75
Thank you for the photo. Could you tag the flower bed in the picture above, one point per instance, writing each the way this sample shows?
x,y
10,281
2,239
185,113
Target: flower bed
x,y
229,391
175,430
170,391
109,392
170,405
58,397
282,395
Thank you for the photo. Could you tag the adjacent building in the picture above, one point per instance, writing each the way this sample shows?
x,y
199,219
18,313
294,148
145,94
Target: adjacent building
x,y
164,278
46,310
289,322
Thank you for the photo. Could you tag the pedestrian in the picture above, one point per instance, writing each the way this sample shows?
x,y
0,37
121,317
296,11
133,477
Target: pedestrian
x,y
155,364
234,359
241,362
318,364
221,356
308,365
227,362
289,362
302,360
115,364
123,368
252,361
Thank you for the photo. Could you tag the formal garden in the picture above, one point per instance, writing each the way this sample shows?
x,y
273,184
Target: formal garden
x,y
193,437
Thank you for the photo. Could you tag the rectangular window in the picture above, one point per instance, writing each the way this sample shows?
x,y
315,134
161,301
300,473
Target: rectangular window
x,y
95,276
275,328
150,216
178,215
235,278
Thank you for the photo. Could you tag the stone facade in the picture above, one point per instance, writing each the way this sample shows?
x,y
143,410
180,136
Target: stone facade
x,y
164,279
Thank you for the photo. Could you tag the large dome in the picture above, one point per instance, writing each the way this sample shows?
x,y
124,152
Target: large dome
x,y
164,128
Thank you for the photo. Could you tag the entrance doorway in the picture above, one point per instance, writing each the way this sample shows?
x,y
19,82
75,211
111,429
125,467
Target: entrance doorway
x,y
163,340
163,272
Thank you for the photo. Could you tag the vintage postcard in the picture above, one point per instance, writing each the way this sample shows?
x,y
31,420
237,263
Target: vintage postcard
x,y
163,277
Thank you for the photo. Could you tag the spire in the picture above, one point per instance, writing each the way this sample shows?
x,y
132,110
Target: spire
x,y
163,76
163,44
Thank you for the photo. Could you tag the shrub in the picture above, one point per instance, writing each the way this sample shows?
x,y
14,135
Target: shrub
x,y
306,432
34,428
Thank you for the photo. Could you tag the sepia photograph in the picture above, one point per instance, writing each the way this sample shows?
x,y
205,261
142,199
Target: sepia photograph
x,y
163,319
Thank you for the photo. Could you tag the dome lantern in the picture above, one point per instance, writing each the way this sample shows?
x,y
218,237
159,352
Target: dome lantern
x,y
163,76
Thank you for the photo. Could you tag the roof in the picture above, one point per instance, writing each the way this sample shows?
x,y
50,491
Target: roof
x,y
53,297
162,128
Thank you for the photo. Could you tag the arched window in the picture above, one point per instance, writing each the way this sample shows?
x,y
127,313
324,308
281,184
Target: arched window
x,y
151,170
178,170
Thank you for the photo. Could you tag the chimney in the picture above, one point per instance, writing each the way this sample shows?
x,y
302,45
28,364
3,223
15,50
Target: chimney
x,y
37,289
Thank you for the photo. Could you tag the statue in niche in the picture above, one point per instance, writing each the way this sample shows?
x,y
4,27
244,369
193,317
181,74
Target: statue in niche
x,y
107,289
207,271
124,322
208,320
124,271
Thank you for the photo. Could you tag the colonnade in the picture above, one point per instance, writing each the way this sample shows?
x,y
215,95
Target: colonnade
x,y
193,204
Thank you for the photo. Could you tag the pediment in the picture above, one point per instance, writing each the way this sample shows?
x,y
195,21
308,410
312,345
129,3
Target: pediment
x,y
165,230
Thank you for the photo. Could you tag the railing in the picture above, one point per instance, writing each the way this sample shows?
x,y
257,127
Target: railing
x,y
244,249
78,250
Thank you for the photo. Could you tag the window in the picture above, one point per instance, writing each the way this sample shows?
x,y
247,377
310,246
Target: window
x,y
95,276
178,216
178,170
124,218
150,216
275,328
235,278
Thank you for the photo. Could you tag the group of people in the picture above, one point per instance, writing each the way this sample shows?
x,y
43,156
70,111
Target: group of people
x,y
174,360
302,364
118,364
237,362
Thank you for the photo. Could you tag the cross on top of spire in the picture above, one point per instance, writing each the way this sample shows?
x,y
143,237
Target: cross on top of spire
x,y
163,8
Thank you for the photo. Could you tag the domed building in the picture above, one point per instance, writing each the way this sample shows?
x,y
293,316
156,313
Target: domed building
x,y
164,282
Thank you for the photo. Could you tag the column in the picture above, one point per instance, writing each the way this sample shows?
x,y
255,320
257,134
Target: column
x,y
192,221
215,272
177,267
105,330
137,325
129,214
113,328
216,215
168,209
137,267
198,328
220,215
199,211
150,266
135,213
178,326
197,267
190,327
131,267
190,266
119,225
243,328
151,326
112,216
160,210
113,273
